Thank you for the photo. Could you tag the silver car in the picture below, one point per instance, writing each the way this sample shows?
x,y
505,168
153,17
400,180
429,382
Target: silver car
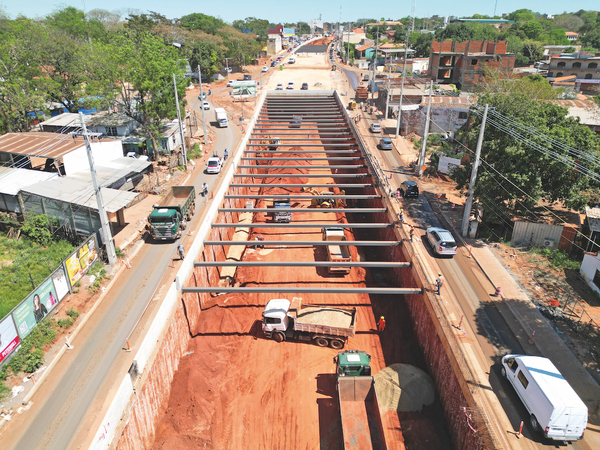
x,y
385,144
442,242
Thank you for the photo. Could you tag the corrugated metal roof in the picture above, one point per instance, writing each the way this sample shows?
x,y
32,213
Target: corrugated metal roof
x,y
12,180
40,144
593,216
79,192
111,171
65,120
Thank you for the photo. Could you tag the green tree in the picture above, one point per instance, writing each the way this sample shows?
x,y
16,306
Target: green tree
x,y
140,70
522,15
199,21
473,31
591,39
421,43
73,21
522,176
555,37
253,25
532,29
208,55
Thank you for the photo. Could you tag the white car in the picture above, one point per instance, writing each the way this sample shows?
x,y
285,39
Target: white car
x,y
290,85
265,69
279,87
230,83
442,242
213,165
206,105
375,128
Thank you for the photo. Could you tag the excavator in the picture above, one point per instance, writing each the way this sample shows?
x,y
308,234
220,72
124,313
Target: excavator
x,y
320,202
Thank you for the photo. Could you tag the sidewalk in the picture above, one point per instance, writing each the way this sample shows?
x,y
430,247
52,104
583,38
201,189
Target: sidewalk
x,y
525,320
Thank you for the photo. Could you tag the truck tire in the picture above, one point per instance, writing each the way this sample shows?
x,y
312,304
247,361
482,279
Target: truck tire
x,y
278,337
321,342
534,423
337,344
503,371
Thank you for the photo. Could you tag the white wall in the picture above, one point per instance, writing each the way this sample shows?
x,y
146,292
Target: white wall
x,y
77,160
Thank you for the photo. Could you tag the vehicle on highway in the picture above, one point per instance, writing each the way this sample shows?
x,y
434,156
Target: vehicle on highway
x,y
206,105
366,77
385,143
247,77
291,60
304,86
554,408
442,242
169,217
221,117
279,87
213,165
230,83
202,95
375,127
273,63
265,69
409,189
290,85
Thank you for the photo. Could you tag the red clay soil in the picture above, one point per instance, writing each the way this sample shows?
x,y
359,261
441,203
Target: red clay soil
x,y
234,389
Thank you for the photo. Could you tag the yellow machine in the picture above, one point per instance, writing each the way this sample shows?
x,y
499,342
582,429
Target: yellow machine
x,y
320,202
352,105
334,67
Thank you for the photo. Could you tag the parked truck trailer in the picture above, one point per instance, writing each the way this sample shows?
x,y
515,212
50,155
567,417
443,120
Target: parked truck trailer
x,y
325,325
337,253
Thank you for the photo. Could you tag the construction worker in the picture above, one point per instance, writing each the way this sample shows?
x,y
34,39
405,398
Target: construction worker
x,y
181,251
411,232
439,283
381,324
401,216
259,238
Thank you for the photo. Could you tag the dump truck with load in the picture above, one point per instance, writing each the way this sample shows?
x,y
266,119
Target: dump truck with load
x,y
337,253
362,94
279,215
326,325
362,427
168,218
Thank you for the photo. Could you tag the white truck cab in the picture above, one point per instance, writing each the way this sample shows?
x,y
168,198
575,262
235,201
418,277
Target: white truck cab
x,y
275,316
555,409
213,165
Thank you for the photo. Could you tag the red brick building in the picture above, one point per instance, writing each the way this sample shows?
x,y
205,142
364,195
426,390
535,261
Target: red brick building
x,y
462,63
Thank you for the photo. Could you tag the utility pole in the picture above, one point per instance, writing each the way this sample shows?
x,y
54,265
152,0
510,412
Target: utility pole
x,y
348,52
180,124
387,99
202,104
469,202
402,89
373,72
426,133
227,68
106,233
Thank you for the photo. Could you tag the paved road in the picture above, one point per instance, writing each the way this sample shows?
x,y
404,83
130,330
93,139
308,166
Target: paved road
x,y
57,420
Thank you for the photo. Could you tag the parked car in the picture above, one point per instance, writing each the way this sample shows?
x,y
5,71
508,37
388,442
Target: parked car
x,y
409,189
247,77
385,144
290,85
273,63
304,86
206,105
279,87
230,83
441,241
375,128
554,408
213,165
202,95
265,69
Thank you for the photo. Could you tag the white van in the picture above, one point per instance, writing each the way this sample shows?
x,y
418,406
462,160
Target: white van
x,y
554,407
291,60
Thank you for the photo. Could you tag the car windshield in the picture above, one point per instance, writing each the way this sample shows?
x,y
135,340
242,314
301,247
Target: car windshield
x,y
213,163
387,141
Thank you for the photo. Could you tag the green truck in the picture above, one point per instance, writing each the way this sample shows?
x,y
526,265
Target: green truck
x,y
169,217
362,427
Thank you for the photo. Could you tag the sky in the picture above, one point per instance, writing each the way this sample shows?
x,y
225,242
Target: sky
x,y
280,12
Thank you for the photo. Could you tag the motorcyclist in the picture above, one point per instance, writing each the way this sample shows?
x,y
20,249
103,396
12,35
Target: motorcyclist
x,y
225,155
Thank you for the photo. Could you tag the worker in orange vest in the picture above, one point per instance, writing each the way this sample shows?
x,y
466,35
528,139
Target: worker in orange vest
x,y
381,324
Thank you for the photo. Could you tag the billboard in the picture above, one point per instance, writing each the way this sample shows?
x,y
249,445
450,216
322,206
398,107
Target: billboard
x,y
244,89
35,307
9,338
80,261
61,285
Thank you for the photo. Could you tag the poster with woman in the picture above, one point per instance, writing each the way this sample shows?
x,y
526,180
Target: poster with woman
x,y
35,307
9,338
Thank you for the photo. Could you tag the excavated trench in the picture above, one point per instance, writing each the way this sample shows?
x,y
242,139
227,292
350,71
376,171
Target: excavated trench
x,y
233,388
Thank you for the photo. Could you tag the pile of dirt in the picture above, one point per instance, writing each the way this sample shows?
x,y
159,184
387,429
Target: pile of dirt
x,y
330,316
402,387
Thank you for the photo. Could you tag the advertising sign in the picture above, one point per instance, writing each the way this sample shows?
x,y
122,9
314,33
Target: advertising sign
x,y
244,89
446,164
80,261
35,307
61,285
9,338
